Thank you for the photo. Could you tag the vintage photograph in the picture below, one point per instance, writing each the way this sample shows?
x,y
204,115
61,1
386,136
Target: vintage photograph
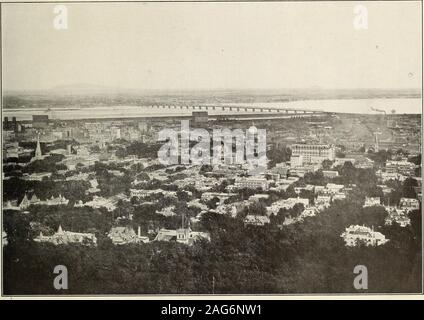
x,y
211,148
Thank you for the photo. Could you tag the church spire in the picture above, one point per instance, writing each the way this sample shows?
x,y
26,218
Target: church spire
x,y
38,153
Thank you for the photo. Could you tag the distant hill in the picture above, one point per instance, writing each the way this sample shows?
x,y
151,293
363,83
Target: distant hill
x,y
82,95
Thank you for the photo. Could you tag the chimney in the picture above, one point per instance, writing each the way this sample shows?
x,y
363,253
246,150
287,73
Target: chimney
x,y
139,232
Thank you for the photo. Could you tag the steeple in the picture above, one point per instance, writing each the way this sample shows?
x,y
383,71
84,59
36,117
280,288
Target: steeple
x,y
24,203
38,154
59,230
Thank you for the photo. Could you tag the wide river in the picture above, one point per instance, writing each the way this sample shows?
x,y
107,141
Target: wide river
x,y
358,106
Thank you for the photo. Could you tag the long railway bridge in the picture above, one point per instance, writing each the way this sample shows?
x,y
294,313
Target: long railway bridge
x,y
250,109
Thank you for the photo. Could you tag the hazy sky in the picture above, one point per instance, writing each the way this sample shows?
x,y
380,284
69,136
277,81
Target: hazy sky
x,y
212,46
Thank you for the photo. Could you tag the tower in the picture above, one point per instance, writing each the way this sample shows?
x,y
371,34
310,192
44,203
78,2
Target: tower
x,y
38,154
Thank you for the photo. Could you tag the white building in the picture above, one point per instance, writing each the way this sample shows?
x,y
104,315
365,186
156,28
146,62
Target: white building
x,y
339,196
330,173
309,212
356,234
182,235
251,183
126,235
323,201
409,204
314,153
167,211
372,201
256,220
402,167
334,188
296,161
98,202
67,237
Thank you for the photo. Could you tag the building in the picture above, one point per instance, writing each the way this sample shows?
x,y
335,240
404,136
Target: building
x,y
126,235
67,237
281,169
167,211
308,212
25,203
207,196
231,209
330,173
199,117
60,200
386,176
372,201
323,201
256,220
257,197
355,235
314,153
251,183
93,186
10,125
34,199
182,235
40,121
409,204
339,196
342,161
398,216
38,155
296,161
36,176
402,167
98,202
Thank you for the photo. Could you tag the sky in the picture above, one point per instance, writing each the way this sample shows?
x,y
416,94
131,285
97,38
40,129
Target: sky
x,y
208,46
